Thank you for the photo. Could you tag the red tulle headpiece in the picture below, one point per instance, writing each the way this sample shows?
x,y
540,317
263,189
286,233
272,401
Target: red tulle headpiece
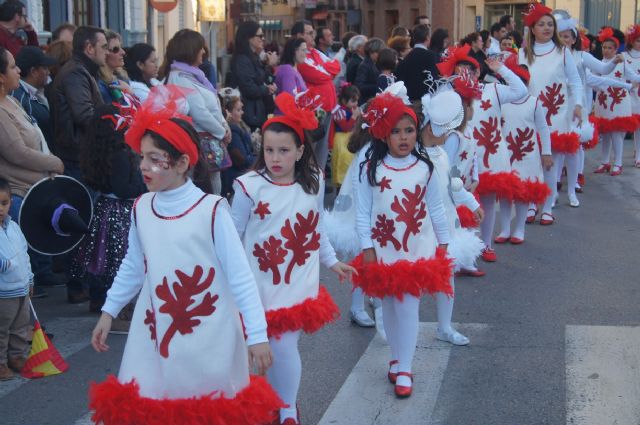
x,y
452,57
606,34
467,86
586,43
534,13
384,112
297,113
632,33
155,115
511,62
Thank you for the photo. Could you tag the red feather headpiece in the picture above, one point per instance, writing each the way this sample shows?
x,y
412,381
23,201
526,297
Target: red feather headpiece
x,y
535,12
452,57
384,112
633,33
511,62
606,34
586,43
155,115
297,113
467,86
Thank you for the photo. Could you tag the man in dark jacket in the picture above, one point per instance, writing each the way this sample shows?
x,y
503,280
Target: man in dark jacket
x,y
75,94
419,67
367,75
356,48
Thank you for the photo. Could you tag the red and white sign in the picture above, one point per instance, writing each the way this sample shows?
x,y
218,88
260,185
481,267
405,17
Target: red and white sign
x,y
163,5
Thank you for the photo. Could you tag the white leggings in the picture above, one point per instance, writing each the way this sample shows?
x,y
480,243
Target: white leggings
x,y
572,161
518,223
550,178
488,203
444,304
581,160
285,372
636,142
401,327
616,139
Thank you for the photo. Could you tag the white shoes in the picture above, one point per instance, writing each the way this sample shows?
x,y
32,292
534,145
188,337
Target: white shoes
x,y
573,201
453,336
361,318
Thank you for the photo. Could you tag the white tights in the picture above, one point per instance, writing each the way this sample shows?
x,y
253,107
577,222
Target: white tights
x,y
401,327
444,304
616,139
550,178
357,300
581,160
505,218
636,142
285,372
519,222
572,162
488,203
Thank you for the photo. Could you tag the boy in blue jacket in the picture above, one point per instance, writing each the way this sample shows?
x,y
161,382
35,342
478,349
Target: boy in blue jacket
x,y
16,283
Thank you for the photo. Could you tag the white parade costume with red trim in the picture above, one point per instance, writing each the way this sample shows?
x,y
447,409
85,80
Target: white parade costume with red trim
x,y
185,316
282,240
632,60
613,108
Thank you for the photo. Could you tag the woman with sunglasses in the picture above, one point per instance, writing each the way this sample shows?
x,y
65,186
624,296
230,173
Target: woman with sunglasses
x,y
113,82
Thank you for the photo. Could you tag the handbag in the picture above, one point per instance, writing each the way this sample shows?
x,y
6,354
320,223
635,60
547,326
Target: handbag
x,y
214,152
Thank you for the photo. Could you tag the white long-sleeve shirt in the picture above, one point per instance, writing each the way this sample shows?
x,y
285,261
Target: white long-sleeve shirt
x,y
228,249
599,82
514,89
243,206
570,69
433,199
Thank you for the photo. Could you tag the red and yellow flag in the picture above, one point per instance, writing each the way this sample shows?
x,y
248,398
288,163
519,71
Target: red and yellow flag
x,y
44,359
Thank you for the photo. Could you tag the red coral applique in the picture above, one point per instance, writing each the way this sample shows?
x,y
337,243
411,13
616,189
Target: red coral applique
x,y
411,211
552,99
485,104
150,320
602,99
521,144
385,183
383,232
183,320
302,239
488,136
617,94
262,210
270,255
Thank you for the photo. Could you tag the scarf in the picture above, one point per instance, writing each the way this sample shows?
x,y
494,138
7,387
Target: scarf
x,y
196,72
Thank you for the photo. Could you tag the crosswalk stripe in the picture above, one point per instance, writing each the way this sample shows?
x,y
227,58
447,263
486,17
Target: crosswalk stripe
x,y
85,420
603,376
367,397
71,334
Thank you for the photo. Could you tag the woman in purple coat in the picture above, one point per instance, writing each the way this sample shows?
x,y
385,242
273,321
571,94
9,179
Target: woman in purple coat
x,y
288,79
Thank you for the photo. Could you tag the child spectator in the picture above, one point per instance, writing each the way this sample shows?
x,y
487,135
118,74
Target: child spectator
x,y
241,146
344,119
16,283
387,62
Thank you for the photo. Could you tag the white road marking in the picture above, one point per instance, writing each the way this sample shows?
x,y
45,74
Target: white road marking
x,y
603,376
85,420
367,397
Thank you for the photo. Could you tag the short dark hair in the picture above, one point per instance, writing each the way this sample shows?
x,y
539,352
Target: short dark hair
x,y
387,60
505,20
320,34
289,52
348,92
298,27
64,27
419,18
139,52
496,27
421,33
4,60
470,38
485,35
373,45
5,186
85,34
9,9
184,46
517,38
346,37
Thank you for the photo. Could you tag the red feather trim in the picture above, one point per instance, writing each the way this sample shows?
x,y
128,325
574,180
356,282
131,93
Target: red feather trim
x,y
632,33
467,218
425,275
310,315
596,134
565,142
115,403
532,191
610,125
505,185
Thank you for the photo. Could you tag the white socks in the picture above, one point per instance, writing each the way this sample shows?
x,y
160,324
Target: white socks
x,y
505,218
285,372
573,163
401,326
636,142
444,304
357,300
605,146
488,203
617,139
520,220
550,178
581,160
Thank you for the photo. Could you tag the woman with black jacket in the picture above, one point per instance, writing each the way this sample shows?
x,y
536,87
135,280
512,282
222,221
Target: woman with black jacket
x,y
368,72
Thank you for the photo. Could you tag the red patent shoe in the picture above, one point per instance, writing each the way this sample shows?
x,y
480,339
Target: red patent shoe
x,y
391,375
489,255
401,390
501,239
616,170
516,241
472,273
603,168
581,179
546,221
531,218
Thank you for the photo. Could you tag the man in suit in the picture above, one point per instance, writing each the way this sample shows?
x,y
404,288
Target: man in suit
x,y
419,67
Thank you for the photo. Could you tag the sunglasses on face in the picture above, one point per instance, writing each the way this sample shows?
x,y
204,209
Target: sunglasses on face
x,y
260,36
115,50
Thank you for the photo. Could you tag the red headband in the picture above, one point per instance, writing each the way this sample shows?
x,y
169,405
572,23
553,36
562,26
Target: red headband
x,y
535,12
384,112
606,34
633,33
297,118
453,56
155,115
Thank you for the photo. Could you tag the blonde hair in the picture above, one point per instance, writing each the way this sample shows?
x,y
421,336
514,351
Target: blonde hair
x,y
105,73
529,40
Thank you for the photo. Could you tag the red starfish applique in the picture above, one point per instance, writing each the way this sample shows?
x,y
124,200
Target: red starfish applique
x,y
385,183
463,156
485,104
618,74
262,210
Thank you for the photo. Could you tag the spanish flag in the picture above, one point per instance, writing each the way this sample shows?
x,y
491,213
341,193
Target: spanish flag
x,y
44,359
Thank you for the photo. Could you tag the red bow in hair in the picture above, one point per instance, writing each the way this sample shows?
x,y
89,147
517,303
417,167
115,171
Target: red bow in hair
x,y
452,57
632,34
155,115
534,13
606,34
294,116
512,63
384,112
467,86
